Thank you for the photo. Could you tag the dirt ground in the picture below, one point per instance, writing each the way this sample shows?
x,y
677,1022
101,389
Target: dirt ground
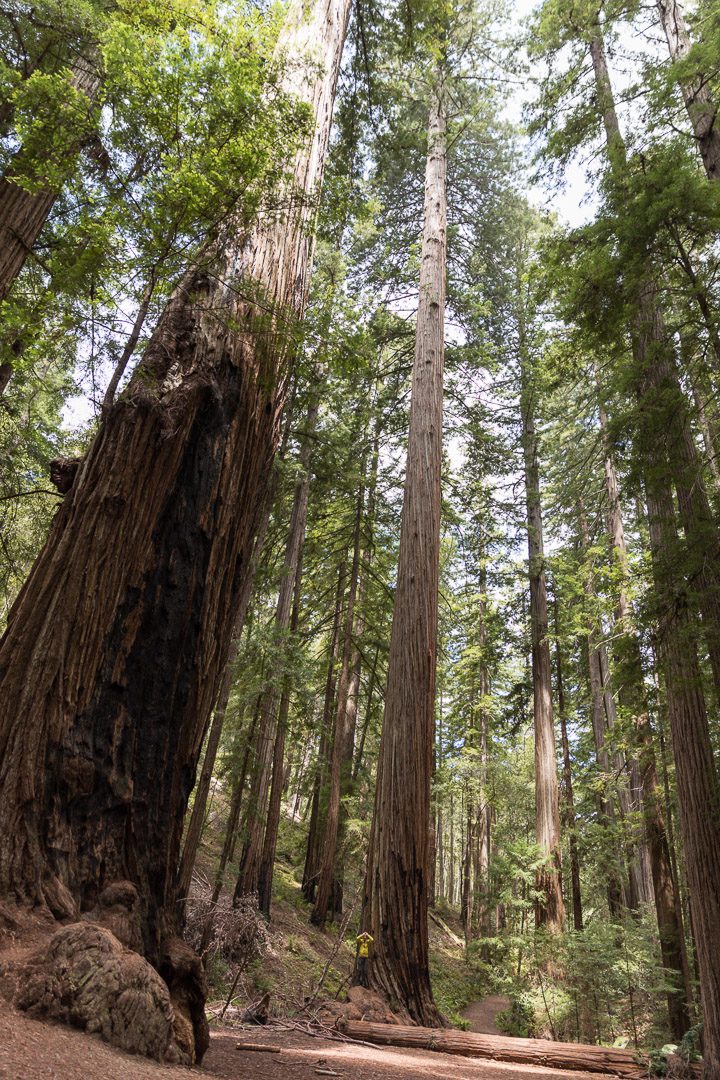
x,y
31,1050
481,1014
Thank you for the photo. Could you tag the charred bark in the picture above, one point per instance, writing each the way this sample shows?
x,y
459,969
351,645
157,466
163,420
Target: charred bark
x,y
116,645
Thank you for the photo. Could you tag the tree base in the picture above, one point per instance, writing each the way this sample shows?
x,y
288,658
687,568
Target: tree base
x,y
85,977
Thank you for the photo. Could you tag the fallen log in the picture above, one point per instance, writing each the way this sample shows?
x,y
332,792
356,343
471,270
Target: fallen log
x,y
260,1049
553,1055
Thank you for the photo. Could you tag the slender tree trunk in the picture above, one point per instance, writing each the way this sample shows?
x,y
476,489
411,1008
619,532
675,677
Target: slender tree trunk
x,y
569,803
228,848
267,858
395,901
698,101
549,908
23,213
254,821
339,742
316,832
118,641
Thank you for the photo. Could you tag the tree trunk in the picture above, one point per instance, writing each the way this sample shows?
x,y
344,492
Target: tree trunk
x,y
699,104
117,643
633,700
316,831
228,848
549,908
395,901
532,1052
254,820
23,213
569,803
698,788
326,877
197,818
267,858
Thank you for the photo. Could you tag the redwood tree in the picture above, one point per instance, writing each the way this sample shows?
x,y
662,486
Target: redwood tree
x,y
117,643
396,885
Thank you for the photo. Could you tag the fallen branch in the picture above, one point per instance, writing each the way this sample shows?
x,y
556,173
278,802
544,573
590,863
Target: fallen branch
x,y
260,1049
444,926
336,948
554,1055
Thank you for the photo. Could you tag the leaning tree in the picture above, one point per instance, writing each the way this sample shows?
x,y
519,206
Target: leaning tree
x,y
116,645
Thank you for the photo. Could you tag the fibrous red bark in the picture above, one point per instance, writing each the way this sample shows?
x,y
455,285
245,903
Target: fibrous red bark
x,y
396,885
117,642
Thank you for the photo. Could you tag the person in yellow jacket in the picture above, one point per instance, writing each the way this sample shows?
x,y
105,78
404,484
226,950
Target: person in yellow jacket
x,y
364,941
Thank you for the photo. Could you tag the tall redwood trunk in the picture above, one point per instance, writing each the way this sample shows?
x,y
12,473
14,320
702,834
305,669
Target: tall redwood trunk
x,y
662,460
253,826
700,106
633,701
396,885
549,907
117,643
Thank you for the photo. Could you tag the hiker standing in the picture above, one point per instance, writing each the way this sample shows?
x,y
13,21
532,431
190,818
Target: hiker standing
x,y
364,941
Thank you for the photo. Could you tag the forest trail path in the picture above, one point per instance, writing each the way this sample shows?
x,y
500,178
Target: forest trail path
x,y
32,1050
481,1014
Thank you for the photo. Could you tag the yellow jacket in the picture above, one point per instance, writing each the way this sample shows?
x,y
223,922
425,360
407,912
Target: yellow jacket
x,y
363,945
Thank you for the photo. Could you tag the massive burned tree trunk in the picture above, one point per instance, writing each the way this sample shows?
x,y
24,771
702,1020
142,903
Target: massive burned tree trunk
x,y
396,885
117,642
698,101
549,907
202,790
664,457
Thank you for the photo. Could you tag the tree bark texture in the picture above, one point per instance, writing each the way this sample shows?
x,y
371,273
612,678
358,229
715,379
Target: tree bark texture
x,y
197,818
549,909
117,643
396,885
698,101
23,213
254,821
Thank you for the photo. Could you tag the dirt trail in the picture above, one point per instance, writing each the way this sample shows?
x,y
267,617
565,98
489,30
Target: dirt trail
x,y
481,1014
30,1050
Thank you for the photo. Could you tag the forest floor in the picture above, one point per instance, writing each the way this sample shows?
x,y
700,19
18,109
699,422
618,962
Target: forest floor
x,y
481,1014
34,1050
